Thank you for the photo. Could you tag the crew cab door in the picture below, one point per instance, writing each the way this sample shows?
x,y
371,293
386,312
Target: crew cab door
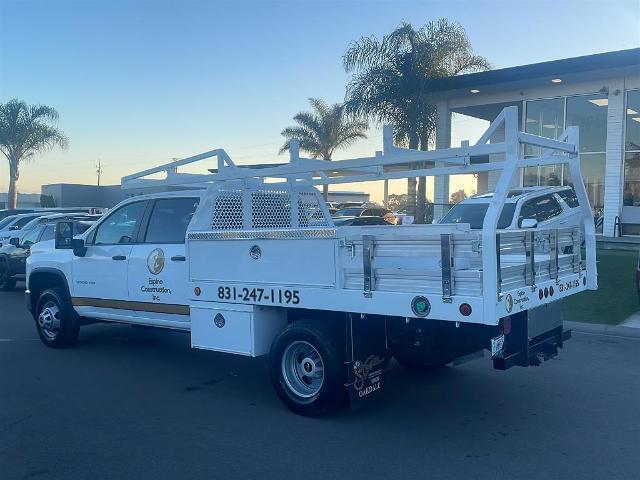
x,y
99,279
157,271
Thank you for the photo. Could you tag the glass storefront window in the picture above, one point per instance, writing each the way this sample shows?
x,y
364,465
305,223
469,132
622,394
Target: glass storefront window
x,y
632,136
589,113
547,118
631,186
544,118
631,190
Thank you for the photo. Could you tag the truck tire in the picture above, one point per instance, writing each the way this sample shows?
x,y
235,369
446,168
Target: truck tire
x,y
7,283
307,367
56,321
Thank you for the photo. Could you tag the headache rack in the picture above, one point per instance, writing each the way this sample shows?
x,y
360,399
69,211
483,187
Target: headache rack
x,y
383,270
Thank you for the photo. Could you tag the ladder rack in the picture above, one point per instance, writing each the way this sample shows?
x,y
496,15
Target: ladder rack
x,y
395,163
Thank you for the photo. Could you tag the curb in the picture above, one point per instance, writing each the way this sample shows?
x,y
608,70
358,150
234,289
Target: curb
x,y
596,328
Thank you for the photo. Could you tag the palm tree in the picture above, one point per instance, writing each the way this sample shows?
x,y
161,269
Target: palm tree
x,y
392,80
25,132
324,130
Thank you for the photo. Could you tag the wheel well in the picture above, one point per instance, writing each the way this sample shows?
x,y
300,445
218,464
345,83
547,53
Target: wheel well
x,y
41,281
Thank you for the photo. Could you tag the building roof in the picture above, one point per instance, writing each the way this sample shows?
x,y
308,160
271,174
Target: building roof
x,y
621,59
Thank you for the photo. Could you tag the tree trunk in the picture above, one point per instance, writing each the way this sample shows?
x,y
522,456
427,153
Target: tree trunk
x,y
12,194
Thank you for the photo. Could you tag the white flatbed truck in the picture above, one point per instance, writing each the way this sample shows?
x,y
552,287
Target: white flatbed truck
x,y
251,263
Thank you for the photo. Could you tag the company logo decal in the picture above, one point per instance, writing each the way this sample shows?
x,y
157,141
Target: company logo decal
x,y
155,261
508,302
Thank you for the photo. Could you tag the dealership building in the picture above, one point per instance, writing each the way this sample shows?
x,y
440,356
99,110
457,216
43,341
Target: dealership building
x,y
598,93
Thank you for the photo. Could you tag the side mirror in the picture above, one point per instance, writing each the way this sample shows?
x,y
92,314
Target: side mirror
x,y
79,250
15,241
528,223
64,235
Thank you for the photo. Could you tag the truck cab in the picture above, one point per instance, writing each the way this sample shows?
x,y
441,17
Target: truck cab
x,y
131,267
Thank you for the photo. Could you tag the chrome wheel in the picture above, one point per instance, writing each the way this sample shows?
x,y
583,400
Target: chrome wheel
x,y
302,369
49,320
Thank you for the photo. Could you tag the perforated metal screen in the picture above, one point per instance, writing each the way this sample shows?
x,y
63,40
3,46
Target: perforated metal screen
x,y
268,209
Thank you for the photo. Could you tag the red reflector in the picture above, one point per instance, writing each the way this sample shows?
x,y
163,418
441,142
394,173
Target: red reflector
x,y
465,309
506,325
551,291
546,292
540,294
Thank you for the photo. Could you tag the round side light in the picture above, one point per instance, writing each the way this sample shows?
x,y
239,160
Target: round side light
x,y
551,291
420,306
465,309
546,292
540,294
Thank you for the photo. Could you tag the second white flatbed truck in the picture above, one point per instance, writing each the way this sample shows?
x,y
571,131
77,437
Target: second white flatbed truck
x,y
253,266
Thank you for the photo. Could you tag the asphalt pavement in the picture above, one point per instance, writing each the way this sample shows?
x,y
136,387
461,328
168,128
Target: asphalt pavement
x,y
138,403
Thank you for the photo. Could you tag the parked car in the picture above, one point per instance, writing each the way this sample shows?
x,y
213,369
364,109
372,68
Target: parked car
x,y
352,212
549,207
14,254
20,228
359,221
333,207
349,205
8,212
11,226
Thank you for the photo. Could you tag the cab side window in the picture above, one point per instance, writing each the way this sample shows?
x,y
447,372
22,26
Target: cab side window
x,y
169,220
120,226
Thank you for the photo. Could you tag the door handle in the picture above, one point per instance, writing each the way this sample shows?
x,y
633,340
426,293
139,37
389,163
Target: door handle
x,y
178,258
118,257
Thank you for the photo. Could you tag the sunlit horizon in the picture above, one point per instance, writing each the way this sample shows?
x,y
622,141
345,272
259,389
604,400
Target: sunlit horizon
x,y
144,83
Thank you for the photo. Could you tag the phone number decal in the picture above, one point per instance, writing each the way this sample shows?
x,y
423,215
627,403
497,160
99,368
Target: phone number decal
x,y
254,295
569,285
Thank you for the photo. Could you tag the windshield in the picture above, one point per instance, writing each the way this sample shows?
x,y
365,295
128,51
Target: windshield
x,y
23,221
30,237
7,221
473,214
348,212
34,222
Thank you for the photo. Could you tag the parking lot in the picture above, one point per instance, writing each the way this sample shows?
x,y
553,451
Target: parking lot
x,y
138,403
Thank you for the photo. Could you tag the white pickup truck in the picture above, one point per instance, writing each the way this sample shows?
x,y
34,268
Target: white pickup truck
x,y
257,267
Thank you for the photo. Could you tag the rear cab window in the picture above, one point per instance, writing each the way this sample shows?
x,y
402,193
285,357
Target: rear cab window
x,y
541,209
569,197
169,220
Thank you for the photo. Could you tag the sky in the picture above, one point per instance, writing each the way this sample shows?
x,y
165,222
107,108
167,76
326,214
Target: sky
x,y
137,83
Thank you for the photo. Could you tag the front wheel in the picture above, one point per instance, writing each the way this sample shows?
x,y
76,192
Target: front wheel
x,y
55,319
307,368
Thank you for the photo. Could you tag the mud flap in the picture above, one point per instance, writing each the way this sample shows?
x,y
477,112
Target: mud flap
x,y
367,356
